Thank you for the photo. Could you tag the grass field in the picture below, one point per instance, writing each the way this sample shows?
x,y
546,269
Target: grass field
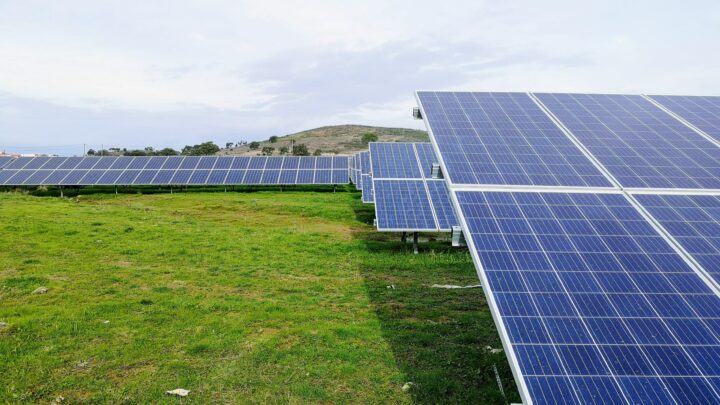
x,y
279,297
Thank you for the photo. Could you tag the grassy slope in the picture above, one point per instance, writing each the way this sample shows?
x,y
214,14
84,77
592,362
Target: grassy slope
x,y
238,297
338,139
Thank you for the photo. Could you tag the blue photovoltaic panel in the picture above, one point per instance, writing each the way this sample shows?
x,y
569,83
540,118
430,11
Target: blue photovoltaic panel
x,y
324,162
305,176
339,176
440,199
257,163
127,177
307,163
36,163
161,170
367,189
394,161
199,176
639,144
6,175
270,176
217,176
38,177
155,162
240,163
692,220
121,163
223,162
365,163
703,112
504,139
291,162
189,162
426,157
145,177
274,162
5,160
288,176
595,305
405,205
235,177
18,163
163,177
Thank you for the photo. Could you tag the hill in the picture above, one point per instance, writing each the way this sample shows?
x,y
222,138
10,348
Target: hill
x,y
338,139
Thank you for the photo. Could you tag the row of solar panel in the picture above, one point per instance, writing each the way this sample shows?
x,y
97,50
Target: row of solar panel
x,y
175,170
361,177
406,197
532,139
170,177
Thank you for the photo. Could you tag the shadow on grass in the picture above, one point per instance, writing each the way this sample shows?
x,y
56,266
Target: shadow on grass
x,y
439,337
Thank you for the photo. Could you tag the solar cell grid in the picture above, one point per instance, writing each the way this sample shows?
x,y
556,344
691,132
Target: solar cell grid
x,y
406,205
368,195
639,144
5,160
693,221
703,112
394,161
18,163
504,139
595,304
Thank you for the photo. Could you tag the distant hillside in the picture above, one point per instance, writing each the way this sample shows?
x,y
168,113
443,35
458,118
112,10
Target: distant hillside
x,y
338,139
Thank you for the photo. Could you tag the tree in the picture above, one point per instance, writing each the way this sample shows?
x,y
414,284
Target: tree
x,y
167,152
284,150
318,152
273,139
254,145
267,150
300,150
368,137
135,152
228,145
205,148
91,152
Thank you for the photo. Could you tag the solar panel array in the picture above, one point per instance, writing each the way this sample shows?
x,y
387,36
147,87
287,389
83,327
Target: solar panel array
x,y
175,170
406,197
640,145
702,112
604,289
4,160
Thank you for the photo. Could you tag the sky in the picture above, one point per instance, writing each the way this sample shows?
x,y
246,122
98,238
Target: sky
x,y
171,73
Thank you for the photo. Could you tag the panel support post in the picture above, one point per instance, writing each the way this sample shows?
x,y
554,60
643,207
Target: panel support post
x,y
403,238
116,190
61,192
415,242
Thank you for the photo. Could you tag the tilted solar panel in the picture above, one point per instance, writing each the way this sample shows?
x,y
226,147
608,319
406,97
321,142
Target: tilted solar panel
x,y
703,112
368,195
693,221
5,160
406,206
410,162
641,145
504,139
594,305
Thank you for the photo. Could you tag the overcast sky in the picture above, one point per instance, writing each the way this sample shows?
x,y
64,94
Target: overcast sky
x,y
165,74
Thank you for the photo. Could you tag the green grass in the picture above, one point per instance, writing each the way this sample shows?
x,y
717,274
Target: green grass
x,y
271,296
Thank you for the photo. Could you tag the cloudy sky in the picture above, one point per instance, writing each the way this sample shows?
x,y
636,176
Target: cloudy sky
x,y
170,73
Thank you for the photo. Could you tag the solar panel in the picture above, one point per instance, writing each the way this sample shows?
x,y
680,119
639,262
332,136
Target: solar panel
x,y
703,112
175,170
394,161
693,221
594,305
407,162
639,144
406,206
368,195
503,139
5,160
